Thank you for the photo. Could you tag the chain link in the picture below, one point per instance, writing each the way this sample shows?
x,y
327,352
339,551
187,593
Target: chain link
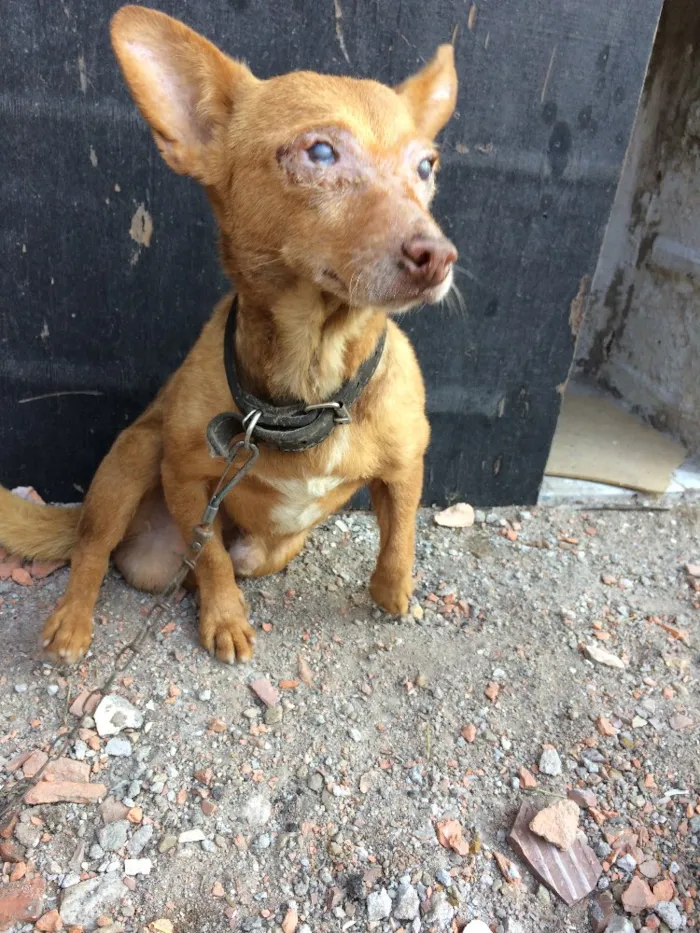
x,y
11,797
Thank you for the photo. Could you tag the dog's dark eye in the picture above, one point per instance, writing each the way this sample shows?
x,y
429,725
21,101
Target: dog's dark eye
x,y
322,153
425,169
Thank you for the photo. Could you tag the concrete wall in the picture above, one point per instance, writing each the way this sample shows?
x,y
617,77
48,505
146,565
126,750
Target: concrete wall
x,y
641,333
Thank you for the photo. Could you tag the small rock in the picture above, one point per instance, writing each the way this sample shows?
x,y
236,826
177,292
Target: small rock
x,y
679,722
600,911
167,843
550,762
112,809
526,778
669,913
378,906
620,925
469,732
34,763
291,921
21,901
477,926
191,835
650,868
118,748
407,903
664,890
584,798
637,897
264,691
83,903
114,835
50,922
11,852
114,713
627,863
137,866
28,835
460,515
140,840
257,810
600,656
440,912
64,792
85,703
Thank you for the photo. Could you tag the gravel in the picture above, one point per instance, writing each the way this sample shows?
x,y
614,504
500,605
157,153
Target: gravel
x,y
222,811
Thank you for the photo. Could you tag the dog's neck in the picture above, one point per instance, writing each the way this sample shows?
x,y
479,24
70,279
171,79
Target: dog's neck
x,y
302,343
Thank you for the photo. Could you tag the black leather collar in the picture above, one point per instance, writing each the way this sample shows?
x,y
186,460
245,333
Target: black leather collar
x,y
292,427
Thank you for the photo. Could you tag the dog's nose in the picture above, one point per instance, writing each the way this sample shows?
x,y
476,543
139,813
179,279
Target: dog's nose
x,y
428,259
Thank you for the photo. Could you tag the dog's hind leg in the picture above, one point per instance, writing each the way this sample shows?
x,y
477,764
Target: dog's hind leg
x,y
127,473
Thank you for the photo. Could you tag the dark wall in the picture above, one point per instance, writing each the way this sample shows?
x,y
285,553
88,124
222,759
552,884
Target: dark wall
x,y
92,321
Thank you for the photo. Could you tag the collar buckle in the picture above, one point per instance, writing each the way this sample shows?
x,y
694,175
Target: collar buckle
x,y
341,414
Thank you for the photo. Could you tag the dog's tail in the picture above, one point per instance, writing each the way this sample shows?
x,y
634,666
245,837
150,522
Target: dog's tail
x,y
35,531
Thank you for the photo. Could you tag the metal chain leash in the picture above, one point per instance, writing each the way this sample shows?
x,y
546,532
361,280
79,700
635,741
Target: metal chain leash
x,y
11,798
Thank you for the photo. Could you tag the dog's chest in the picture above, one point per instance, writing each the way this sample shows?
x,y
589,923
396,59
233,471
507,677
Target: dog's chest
x,y
301,498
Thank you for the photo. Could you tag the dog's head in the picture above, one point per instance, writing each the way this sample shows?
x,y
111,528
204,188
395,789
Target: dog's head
x,y
312,177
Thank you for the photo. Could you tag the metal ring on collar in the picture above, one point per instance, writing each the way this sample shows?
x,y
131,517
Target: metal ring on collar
x,y
249,422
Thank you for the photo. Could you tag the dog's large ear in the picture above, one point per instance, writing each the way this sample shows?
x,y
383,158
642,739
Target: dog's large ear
x,y
183,85
431,94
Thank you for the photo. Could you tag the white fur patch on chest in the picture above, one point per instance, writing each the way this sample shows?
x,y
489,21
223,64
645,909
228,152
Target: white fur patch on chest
x,y
299,506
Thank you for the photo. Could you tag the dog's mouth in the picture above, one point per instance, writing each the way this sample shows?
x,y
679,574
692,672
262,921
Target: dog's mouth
x,y
394,295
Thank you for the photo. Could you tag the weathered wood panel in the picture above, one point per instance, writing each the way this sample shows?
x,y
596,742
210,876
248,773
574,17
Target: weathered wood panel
x,y
94,320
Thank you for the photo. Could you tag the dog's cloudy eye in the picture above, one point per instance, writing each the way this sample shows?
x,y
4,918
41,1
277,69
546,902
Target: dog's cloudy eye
x,y
425,169
322,153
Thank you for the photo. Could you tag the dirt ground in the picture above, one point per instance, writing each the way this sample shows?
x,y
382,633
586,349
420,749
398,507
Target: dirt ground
x,y
325,809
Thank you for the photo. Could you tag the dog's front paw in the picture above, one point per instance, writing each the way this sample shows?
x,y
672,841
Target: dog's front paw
x,y
226,633
391,593
68,633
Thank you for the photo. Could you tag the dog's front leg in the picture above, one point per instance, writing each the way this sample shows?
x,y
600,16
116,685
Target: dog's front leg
x,y
223,619
128,471
396,502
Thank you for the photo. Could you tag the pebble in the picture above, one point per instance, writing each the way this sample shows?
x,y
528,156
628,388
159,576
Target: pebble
x,y
669,913
441,911
257,810
407,904
550,762
20,688
119,748
167,843
28,835
113,836
315,783
137,866
378,906
600,656
114,713
140,840
204,695
620,925
627,864
191,835
82,904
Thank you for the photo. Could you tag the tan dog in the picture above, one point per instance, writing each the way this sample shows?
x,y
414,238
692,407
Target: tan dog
x,y
320,187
